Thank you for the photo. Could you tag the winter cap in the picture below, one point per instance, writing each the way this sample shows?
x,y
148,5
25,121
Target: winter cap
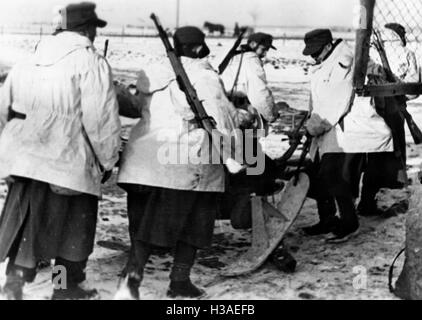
x,y
75,15
399,29
262,38
315,40
190,36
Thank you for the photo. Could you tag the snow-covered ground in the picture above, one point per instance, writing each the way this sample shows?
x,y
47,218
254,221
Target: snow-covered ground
x,y
324,271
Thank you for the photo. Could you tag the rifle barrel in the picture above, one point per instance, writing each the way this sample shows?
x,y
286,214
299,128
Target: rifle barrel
x,y
105,48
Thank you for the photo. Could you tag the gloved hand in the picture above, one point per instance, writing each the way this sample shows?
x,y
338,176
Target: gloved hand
x,y
247,118
317,126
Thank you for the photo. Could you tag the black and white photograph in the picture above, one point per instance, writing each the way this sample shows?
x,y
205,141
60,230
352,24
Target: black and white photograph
x,y
208,151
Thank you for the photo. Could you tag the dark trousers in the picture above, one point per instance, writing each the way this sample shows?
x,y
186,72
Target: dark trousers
x,y
183,259
381,170
334,178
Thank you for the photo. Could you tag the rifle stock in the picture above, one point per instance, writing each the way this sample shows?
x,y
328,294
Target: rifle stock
x,y
223,65
221,143
413,128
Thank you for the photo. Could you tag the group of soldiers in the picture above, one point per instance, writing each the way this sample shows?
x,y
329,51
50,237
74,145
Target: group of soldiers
x,y
60,140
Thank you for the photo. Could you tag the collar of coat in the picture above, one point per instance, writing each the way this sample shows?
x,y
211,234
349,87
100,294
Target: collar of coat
x,y
157,77
54,48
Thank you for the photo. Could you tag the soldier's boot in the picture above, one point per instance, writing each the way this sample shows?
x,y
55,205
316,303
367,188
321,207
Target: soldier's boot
x,y
327,219
128,287
69,286
181,285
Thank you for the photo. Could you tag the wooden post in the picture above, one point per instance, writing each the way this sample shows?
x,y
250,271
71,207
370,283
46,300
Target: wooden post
x,y
363,39
409,283
177,13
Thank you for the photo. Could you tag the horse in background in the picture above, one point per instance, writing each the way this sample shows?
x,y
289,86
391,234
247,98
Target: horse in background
x,y
237,30
212,27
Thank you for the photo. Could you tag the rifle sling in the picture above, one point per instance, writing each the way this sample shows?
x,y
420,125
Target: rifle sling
x,y
236,79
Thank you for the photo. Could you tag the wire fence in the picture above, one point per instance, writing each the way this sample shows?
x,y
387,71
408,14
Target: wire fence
x,y
399,23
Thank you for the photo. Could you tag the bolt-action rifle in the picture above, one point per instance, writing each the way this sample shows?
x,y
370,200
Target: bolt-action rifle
x,y
223,65
221,143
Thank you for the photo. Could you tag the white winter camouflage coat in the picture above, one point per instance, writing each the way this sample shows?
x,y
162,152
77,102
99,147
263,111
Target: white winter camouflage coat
x,y
64,87
362,129
165,148
252,82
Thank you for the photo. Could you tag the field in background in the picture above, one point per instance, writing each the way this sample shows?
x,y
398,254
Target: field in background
x,y
149,31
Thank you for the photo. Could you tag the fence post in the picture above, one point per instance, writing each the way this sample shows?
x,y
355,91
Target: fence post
x,y
363,39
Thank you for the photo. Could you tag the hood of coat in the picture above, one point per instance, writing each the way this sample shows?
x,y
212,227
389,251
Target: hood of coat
x,y
158,76
52,49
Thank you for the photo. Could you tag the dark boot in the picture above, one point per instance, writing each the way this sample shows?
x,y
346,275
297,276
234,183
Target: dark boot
x,y
322,227
343,233
75,275
128,287
348,225
132,275
74,292
180,284
327,219
184,289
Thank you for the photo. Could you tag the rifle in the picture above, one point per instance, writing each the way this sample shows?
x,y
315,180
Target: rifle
x,y
105,48
223,65
413,128
224,147
282,161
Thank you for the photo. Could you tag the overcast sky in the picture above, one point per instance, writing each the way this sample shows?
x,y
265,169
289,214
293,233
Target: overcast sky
x,y
194,12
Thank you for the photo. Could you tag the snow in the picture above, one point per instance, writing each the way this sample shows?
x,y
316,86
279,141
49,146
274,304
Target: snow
x,y
324,271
